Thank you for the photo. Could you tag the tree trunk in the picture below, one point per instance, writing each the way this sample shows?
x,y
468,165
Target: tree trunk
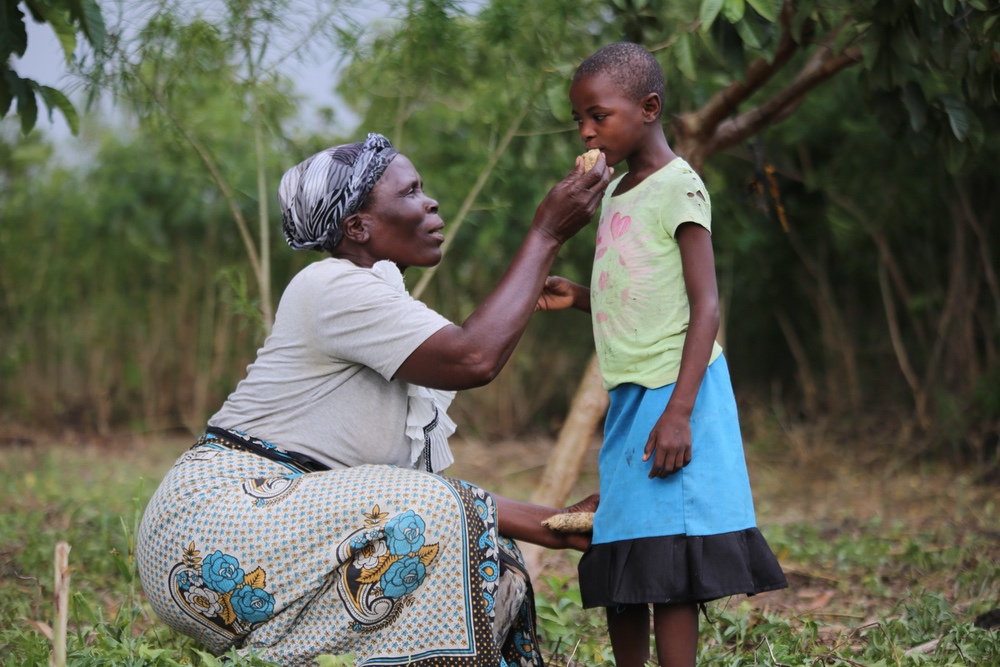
x,y
589,406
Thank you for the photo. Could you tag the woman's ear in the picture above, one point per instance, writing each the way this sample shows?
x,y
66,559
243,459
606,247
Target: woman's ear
x,y
356,227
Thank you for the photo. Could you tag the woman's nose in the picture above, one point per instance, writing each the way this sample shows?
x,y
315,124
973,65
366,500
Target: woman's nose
x,y
432,205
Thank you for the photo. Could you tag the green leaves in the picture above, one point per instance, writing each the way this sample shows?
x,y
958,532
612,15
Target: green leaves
x,y
747,29
684,56
768,9
958,116
916,105
88,14
733,10
55,99
709,11
13,34
66,18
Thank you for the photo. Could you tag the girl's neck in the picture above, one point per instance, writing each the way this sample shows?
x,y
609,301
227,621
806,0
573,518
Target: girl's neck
x,y
645,162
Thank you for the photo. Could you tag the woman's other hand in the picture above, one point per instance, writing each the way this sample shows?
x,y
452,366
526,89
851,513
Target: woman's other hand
x,y
588,504
570,205
581,541
523,521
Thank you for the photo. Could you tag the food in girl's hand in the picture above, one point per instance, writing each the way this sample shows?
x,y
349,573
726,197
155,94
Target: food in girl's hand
x,y
570,522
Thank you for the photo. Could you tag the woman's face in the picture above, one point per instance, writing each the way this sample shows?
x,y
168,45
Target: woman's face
x,y
407,228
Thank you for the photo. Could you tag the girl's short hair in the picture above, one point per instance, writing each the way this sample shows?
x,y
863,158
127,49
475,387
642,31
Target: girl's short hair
x,y
635,69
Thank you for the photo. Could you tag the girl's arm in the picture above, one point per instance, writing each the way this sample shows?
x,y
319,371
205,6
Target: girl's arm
x,y
523,521
559,293
669,443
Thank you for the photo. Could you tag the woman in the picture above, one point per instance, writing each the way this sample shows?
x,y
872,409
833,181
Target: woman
x,y
310,519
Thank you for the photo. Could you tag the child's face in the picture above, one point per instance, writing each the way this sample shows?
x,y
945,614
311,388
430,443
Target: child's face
x,y
607,118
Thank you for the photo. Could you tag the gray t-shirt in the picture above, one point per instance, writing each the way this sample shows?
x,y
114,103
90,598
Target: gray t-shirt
x,y
322,383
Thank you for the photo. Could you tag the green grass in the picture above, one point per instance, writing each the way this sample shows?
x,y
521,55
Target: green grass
x,y
877,565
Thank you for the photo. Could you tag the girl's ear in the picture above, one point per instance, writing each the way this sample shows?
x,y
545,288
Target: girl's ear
x,y
651,107
356,227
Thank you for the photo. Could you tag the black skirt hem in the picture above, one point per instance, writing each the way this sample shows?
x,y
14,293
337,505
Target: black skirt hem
x,y
679,569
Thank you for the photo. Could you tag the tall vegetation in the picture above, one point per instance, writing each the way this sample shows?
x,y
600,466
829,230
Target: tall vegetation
x,y
847,148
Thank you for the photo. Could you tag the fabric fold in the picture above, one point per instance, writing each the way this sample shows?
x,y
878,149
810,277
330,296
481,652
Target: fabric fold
x,y
428,427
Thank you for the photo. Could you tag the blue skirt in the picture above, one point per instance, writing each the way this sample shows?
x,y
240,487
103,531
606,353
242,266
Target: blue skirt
x,y
691,537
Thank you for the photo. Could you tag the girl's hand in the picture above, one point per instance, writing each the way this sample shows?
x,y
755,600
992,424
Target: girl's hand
x,y
557,294
669,443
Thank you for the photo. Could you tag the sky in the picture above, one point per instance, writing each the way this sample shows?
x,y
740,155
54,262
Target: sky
x,y
44,62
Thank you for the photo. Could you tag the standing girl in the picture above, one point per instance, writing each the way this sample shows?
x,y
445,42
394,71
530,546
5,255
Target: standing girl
x,y
676,524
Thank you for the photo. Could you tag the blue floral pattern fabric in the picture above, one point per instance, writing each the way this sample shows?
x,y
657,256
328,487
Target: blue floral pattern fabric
x,y
395,566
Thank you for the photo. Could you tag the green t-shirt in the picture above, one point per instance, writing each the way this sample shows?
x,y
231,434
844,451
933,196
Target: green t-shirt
x,y
638,299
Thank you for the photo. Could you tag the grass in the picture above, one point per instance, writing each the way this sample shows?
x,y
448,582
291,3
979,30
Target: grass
x,y
888,565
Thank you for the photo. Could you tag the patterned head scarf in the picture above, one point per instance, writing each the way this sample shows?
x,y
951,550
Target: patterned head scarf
x,y
318,194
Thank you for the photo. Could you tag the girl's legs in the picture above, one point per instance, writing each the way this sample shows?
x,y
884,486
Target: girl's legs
x,y
675,627
628,628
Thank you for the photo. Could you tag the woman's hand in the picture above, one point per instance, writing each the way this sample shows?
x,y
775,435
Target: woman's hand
x,y
580,541
523,521
559,293
588,504
571,204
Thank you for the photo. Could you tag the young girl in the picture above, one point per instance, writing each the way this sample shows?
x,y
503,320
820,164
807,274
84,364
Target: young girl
x,y
676,525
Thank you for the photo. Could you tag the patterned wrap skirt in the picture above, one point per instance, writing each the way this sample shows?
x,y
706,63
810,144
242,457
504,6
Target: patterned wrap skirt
x,y
690,537
392,565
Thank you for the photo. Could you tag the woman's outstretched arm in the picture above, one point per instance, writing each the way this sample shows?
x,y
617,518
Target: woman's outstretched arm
x,y
471,355
523,521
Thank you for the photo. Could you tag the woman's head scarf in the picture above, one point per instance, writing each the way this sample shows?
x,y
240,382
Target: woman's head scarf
x,y
317,195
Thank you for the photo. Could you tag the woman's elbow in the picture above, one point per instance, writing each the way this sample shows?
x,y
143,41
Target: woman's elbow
x,y
480,370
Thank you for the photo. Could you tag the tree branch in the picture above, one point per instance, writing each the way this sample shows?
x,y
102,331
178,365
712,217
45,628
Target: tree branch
x,y
759,72
820,67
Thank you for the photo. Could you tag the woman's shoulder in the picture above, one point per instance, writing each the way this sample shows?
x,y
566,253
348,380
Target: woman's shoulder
x,y
332,271
340,282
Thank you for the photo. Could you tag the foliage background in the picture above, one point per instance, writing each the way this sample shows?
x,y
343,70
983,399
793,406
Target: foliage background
x,y
855,250
855,240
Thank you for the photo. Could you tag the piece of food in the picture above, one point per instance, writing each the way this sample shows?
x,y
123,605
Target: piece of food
x,y
570,522
590,159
